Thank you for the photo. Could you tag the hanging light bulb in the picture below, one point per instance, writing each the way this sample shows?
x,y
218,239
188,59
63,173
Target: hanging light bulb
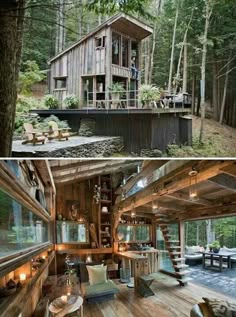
x,y
193,195
138,169
133,211
154,205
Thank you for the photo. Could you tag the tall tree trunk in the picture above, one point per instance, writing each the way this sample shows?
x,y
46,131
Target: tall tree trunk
x,y
147,58
185,68
225,91
60,38
173,49
214,92
11,34
208,10
193,93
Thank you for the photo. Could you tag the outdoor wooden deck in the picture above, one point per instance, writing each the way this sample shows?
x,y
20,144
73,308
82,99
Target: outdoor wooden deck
x,y
170,300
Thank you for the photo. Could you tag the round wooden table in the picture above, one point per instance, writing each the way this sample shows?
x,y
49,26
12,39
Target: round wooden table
x,y
72,304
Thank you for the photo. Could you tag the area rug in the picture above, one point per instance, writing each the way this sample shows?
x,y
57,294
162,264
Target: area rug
x,y
222,282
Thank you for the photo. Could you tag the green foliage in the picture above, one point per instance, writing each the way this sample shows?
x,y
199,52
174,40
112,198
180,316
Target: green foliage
x,y
117,87
215,244
148,93
51,102
44,124
72,102
30,75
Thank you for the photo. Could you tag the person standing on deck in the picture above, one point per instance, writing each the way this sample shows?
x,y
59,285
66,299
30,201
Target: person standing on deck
x,y
134,70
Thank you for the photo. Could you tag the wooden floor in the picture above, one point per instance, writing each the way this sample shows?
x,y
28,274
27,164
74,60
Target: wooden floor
x,y
170,300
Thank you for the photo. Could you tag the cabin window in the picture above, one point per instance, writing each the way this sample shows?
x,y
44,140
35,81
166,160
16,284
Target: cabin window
x,y
135,233
100,42
125,52
60,83
72,232
20,228
116,39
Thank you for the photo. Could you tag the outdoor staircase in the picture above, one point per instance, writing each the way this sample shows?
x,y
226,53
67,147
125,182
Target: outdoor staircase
x,y
174,249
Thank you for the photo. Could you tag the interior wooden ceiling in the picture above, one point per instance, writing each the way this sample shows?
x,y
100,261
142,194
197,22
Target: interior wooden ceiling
x,y
71,171
216,186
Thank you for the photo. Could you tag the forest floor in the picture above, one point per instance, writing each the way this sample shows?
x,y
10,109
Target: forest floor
x,y
219,141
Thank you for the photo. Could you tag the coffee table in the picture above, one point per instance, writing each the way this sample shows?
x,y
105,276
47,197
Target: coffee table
x,y
218,257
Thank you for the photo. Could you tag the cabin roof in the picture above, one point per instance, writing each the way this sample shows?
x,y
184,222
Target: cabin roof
x,y
121,22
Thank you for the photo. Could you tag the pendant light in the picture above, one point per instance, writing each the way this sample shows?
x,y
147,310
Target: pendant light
x,y
133,210
193,194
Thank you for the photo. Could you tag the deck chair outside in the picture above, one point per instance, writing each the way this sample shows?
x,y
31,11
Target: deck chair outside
x,y
33,135
59,133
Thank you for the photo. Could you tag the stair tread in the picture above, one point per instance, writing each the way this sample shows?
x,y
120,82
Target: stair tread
x,y
178,259
181,266
182,273
175,253
174,247
184,280
173,241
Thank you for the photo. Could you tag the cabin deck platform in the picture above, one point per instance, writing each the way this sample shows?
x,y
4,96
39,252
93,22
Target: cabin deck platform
x,y
140,128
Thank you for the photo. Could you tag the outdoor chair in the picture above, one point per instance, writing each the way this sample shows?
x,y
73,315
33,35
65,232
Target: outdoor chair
x,y
58,133
33,135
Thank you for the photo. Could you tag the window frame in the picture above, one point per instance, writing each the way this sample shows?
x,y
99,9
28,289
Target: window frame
x,y
60,78
135,234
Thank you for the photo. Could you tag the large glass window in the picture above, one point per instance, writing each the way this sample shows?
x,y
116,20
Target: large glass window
x,y
19,227
135,233
116,39
72,232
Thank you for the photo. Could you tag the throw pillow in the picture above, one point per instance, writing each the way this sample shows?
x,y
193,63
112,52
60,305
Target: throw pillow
x,y
221,308
97,275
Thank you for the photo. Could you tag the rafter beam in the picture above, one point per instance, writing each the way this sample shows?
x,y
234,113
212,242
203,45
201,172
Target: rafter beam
x,y
108,169
225,181
185,197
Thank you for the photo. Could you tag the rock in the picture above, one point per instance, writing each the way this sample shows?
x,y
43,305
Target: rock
x,y
150,153
87,127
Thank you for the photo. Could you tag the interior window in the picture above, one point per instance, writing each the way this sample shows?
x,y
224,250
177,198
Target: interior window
x,y
60,83
116,38
125,52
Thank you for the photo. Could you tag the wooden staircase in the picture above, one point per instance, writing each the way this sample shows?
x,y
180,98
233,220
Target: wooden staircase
x,y
174,249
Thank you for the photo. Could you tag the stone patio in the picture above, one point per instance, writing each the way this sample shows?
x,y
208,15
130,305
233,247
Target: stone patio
x,y
224,282
76,146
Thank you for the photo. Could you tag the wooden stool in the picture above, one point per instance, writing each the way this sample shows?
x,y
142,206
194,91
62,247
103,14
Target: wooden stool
x,y
144,283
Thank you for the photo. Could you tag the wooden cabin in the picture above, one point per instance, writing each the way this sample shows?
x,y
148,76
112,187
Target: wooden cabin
x,y
89,67
59,216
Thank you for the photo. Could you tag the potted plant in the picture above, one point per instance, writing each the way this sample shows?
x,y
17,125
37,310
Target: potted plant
x,y
116,90
71,102
216,246
51,102
148,94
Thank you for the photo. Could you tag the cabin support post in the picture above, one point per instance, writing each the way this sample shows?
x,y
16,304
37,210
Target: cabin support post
x,y
108,78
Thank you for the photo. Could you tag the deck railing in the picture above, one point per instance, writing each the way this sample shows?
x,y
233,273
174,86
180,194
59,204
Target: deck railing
x,y
130,99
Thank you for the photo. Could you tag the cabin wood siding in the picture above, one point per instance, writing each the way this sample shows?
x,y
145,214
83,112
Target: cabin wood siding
x,y
83,60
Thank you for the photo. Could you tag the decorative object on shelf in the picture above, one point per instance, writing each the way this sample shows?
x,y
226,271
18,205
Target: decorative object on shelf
x,y
72,206
70,272
97,194
104,197
104,209
93,233
104,186
193,194
59,216
88,259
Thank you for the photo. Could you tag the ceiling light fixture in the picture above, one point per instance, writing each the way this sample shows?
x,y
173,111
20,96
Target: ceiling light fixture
x,y
193,194
133,210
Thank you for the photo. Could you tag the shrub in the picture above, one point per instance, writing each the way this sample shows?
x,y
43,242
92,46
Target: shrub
x,y
30,75
148,93
117,88
71,102
46,122
51,102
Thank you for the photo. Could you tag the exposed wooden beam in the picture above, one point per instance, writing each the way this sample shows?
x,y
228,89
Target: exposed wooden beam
x,y
77,165
43,167
225,181
207,212
172,182
168,205
185,197
86,175
231,170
